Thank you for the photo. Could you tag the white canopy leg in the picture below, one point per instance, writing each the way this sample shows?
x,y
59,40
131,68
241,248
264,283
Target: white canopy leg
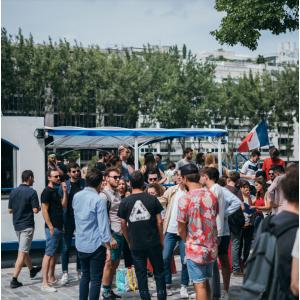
x,y
136,153
219,156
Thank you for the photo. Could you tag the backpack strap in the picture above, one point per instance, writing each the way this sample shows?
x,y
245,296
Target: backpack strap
x,y
109,200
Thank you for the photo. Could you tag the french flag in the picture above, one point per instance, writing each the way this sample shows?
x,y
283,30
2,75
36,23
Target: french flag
x,y
258,137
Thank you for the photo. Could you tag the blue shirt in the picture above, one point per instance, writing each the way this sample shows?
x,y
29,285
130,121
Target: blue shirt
x,y
91,220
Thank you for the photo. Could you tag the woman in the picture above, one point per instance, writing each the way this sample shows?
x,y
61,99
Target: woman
x,y
249,214
260,202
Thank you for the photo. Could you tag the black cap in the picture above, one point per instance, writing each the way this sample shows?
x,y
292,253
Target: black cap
x,y
189,169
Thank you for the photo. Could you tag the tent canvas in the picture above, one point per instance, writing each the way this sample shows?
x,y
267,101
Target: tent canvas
x,y
109,137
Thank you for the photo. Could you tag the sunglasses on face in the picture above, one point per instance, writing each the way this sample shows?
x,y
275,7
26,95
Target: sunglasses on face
x,y
57,176
76,171
153,179
271,173
115,177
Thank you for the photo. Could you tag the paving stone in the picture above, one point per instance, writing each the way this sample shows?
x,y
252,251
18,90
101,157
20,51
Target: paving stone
x,y
32,288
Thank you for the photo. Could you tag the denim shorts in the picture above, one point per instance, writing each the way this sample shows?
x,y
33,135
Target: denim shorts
x,y
199,273
53,243
116,253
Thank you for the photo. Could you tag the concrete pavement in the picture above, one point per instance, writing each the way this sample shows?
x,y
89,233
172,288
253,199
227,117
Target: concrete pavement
x,y
31,289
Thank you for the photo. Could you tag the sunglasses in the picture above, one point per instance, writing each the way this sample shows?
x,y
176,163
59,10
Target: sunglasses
x,y
271,173
77,171
152,179
57,176
115,177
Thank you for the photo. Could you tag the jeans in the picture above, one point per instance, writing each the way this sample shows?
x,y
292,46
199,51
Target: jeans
x,y
235,251
69,224
127,255
170,242
140,263
92,265
216,284
246,241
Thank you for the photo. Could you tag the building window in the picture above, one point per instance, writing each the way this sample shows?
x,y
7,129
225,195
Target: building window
x,y
8,167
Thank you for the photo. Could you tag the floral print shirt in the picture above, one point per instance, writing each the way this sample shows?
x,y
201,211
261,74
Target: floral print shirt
x,y
199,209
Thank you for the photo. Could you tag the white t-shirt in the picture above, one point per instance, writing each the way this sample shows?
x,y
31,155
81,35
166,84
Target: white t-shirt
x,y
295,251
249,168
173,226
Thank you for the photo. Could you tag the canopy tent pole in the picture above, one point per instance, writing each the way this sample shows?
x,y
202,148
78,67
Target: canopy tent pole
x,y
136,153
219,156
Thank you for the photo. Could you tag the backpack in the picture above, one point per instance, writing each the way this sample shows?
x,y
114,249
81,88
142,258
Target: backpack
x,y
261,280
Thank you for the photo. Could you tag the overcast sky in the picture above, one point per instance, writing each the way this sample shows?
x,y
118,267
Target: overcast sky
x,y
127,23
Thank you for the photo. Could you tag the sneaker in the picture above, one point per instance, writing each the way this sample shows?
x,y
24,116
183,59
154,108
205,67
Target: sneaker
x,y
15,283
48,289
34,271
64,279
110,297
193,296
116,296
183,292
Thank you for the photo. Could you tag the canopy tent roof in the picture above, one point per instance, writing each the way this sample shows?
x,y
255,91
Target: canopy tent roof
x,y
110,137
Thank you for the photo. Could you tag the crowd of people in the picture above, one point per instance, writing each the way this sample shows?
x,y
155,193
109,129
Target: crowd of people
x,y
141,215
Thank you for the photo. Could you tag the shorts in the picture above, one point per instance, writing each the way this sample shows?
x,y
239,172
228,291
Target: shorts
x,y
116,253
199,273
224,245
25,238
53,243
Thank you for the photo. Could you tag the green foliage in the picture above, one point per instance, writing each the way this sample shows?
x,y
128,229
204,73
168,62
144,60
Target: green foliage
x,y
170,87
245,19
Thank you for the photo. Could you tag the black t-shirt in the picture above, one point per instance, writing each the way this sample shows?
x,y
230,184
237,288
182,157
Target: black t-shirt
x,y
75,188
55,210
22,200
140,211
285,246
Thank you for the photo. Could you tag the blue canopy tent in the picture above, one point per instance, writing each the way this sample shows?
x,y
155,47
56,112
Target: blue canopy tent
x,y
95,138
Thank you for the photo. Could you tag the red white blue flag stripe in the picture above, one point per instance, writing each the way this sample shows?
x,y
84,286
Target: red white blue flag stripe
x,y
258,137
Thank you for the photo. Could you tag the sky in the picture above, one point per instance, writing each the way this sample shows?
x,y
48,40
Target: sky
x,y
128,23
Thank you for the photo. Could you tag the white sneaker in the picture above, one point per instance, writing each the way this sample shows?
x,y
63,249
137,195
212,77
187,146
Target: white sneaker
x,y
193,296
64,279
48,289
183,292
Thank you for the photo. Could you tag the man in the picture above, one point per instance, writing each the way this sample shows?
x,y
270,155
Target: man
x,y
273,160
250,168
142,227
287,222
74,185
113,198
158,158
197,213
92,237
271,175
23,203
101,164
125,169
228,204
52,209
170,200
187,158
275,194
236,223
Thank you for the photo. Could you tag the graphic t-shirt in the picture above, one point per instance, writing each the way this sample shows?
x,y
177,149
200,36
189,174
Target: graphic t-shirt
x,y
55,210
140,210
199,209
249,168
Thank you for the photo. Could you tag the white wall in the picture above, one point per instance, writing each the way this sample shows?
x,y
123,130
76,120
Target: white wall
x,y
30,156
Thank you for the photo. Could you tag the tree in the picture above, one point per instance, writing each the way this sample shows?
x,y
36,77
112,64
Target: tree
x,y
245,20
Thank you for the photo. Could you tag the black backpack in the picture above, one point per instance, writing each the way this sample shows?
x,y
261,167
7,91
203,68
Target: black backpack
x,y
261,280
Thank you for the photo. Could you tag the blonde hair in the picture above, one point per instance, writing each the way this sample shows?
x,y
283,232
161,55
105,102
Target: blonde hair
x,y
210,160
